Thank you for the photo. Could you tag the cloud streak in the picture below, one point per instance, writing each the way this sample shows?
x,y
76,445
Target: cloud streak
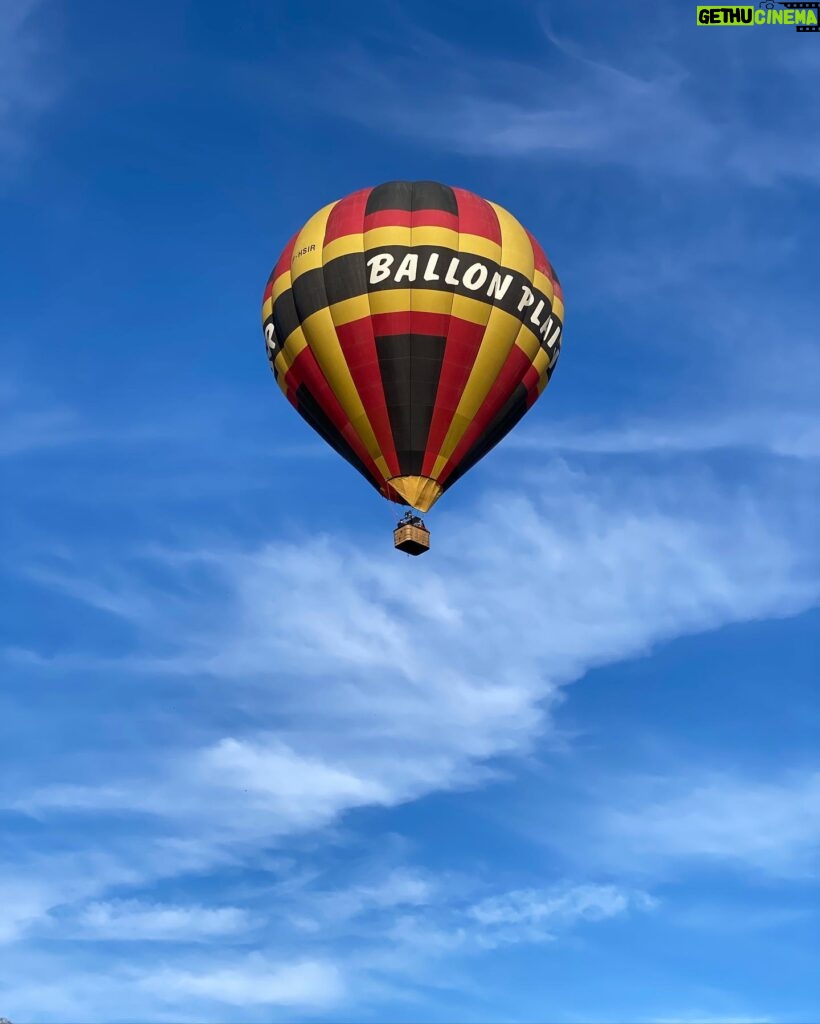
x,y
26,84
381,937
581,110
139,921
793,435
351,710
28,425
254,982
771,826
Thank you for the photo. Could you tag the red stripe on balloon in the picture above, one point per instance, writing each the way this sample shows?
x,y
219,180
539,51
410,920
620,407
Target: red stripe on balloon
x,y
539,257
512,373
347,216
476,216
435,324
463,342
407,219
543,264
305,370
358,344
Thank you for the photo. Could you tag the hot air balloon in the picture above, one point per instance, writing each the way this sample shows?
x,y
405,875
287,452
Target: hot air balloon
x,y
412,325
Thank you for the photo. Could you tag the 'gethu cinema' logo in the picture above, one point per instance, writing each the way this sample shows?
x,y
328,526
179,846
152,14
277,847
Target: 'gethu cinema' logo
x,y
805,16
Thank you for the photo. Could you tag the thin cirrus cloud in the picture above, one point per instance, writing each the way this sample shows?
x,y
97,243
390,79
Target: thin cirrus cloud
x,y
768,825
256,981
794,435
519,916
350,711
25,900
516,917
419,935
388,934
472,109
29,424
137,921
581,109
27,83
46,988
528,907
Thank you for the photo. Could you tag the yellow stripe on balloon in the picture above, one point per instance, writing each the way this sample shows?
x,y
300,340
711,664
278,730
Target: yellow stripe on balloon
x,y
320,334
502,332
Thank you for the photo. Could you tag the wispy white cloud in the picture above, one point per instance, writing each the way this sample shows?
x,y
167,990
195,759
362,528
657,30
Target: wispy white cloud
x,y
790,434
138,921
404,947
34,886
529,915
246,788
189,990
255,981
533,907
351,711
318,644
28,424
770,825
27,85
461,928
474,105
326,639
570,108
400,888
32,420
24,901
395,932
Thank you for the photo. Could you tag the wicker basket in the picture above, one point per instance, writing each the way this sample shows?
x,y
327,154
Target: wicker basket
x,y
414,540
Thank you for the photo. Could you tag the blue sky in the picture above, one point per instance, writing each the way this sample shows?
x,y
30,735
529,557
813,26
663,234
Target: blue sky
x,y
256,766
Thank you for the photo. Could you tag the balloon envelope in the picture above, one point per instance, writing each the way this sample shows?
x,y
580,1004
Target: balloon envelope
x,y
412,325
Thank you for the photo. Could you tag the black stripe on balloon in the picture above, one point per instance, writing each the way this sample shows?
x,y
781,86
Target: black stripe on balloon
x,y
429,195
310,410
344,278
412,195
285,317
393,195
310,293
410,367
502,423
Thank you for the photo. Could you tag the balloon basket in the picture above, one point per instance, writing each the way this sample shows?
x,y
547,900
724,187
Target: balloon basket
x,y
411,536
